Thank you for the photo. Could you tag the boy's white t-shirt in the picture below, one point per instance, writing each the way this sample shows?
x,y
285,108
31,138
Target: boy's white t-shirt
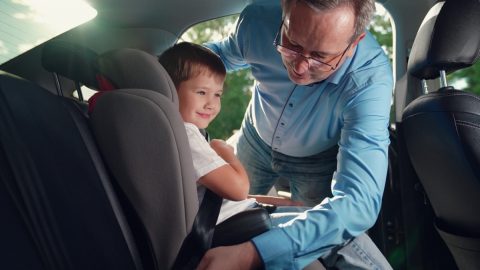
x,y
205,160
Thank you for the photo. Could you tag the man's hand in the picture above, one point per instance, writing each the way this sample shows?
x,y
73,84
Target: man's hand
x,y
239,257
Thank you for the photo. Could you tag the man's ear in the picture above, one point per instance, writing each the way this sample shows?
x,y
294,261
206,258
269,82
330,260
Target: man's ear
x,y
358,39
355,43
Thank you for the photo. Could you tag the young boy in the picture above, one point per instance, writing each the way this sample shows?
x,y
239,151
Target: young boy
x,y
199,74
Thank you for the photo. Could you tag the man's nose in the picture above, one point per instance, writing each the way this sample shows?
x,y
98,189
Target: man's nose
x,y
300,65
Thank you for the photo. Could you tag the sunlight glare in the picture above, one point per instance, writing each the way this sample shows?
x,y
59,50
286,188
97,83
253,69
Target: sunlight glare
x,y
57,14
49,18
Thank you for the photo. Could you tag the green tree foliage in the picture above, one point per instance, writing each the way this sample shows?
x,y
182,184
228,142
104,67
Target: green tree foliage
x,y
381,28
470,76
237,91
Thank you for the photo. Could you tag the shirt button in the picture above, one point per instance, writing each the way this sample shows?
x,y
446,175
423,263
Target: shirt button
x,y
283,124
290,104
278,137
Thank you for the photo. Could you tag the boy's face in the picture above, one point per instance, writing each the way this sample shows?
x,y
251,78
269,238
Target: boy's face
x,y
200,98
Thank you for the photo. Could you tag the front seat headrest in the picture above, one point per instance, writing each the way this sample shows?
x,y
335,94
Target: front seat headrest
x,y
448,39
132,68
72,61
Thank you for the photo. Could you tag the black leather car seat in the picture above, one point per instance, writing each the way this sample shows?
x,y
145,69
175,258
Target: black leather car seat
x,y
442,128
59,209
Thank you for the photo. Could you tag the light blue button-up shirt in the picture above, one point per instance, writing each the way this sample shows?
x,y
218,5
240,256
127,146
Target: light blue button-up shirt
x,y
351,108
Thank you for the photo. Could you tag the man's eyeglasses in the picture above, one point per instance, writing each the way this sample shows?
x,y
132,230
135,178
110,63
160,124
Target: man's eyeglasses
x,y
313,63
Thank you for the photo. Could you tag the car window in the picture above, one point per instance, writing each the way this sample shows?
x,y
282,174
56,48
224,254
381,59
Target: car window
x,y
26,23
382,28
467,79
239,84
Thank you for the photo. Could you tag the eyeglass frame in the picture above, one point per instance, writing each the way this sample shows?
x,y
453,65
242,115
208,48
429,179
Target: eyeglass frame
x,y
308,58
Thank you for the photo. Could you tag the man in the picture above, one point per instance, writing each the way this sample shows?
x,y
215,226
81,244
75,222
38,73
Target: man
x,y
318,118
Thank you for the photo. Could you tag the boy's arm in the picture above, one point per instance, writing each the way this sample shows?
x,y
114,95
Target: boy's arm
x,y
229,181
278,201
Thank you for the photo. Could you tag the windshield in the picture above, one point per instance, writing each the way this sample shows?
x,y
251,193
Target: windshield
x,y
25,24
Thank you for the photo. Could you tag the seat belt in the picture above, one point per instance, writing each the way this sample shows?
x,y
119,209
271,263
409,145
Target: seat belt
x,y
199,240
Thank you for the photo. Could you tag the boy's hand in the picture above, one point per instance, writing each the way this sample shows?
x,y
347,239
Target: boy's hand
x,y
220,143
223,149
294,203
277,201
229,181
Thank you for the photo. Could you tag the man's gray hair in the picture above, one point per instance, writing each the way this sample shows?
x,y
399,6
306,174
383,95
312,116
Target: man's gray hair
x,y
363,10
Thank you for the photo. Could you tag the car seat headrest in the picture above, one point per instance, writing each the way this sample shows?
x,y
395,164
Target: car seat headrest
x,y
71,61
448,39
132,68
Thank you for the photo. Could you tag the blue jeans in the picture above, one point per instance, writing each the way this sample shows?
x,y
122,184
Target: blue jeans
x,y
357,253
309,178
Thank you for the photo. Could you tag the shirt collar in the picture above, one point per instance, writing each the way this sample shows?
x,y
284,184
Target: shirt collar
x,y
336,76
